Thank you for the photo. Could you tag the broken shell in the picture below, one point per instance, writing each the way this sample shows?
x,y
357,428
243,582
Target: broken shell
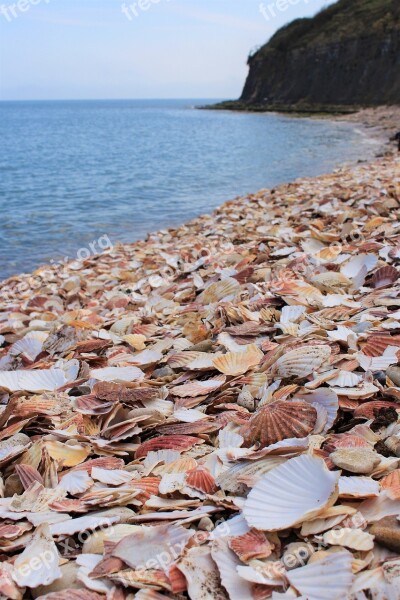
x,y
355,460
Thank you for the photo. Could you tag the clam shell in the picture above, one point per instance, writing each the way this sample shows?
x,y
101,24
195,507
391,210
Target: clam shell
x,y
302,361
278,421
294,491
202,575
320,581
238,363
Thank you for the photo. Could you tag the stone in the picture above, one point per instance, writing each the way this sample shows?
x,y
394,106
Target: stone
x,y
355,460
387,533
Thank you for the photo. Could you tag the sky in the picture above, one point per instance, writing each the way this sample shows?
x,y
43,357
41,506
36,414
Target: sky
x,y
108,49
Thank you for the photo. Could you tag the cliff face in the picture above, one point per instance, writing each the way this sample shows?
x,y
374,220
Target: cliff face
x,y
349,54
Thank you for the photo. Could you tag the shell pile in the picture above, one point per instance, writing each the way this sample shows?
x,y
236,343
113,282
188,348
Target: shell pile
x,y
212,413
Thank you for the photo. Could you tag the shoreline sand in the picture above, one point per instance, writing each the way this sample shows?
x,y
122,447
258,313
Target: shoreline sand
x,y
160,383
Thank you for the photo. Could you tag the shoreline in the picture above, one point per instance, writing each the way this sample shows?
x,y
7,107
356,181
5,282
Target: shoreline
x,y
376,126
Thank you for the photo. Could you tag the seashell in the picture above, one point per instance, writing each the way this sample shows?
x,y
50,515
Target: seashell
x,y
198,388
42,544
327,399
384,277
75,482
354,266
33,381
30,345
346,440
355,539
250,545
391,483
117,374
331,281
379,363
225,290
378,342
319,580
167,442
345,379
202,480
227,563
292,492
369,410
201,574
67,455
364,390
355,460
278,421
302,361
238,363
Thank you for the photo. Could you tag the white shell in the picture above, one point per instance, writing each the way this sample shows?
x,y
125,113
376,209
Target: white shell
x,y
227,562
46,380
345,379
326,398
351,538
31,344
117,374
76,482
326,579
201,574
302,361
358,487
294,491
38,563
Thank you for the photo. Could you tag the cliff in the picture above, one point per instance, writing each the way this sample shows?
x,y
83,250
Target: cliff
x,y
347,56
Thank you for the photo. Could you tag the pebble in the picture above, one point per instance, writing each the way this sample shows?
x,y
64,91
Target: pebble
x,y
355,460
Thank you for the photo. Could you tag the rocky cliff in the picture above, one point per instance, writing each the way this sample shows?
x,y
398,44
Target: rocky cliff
x,y
346,56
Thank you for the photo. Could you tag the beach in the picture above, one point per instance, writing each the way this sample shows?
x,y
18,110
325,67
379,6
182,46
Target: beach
x,y
211,412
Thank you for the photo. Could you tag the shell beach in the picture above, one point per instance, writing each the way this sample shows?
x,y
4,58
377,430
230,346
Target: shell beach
x,y
211,413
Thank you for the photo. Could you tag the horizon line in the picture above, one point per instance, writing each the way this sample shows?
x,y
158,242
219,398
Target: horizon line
x,y
100,99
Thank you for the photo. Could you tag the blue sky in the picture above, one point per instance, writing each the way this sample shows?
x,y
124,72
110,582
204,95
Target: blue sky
x,y
74,49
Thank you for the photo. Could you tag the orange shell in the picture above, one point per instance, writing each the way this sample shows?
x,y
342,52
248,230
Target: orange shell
x,y
28,475
253,544
279,421
177,580
377,344
106,462
202,480
384,276
345,440
368,409
391,483
167,442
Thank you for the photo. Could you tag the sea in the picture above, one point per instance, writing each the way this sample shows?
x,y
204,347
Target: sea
x,y
78,176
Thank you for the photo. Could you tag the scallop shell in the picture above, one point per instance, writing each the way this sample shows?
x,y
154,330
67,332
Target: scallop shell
x,y
227,563
345,379
238,363
326,398
33,381
384,276
377,343
302,361
117,374
279,421
167,442
355,539
296,490
41,545
226,289
201,574
320,581
391,483
369,410
253,544
202,480
358,487
198,388
31,344
67,455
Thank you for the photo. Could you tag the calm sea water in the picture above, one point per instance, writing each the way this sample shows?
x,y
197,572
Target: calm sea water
x,y
72,172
